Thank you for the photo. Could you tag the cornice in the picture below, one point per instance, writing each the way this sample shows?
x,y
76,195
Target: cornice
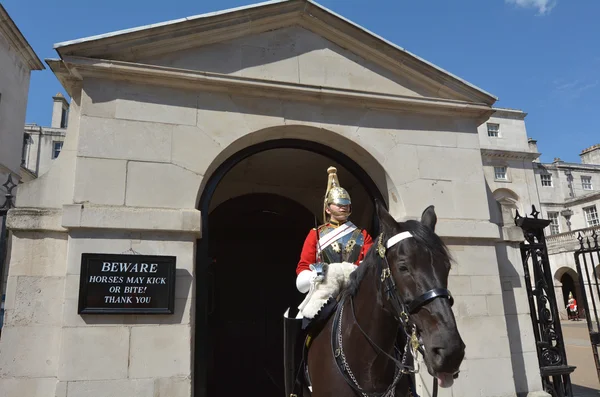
x,y
510,154
77,68
16,39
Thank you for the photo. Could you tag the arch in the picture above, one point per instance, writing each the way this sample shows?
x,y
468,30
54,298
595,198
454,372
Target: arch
x,y
507,203
369,170
223,164
503,195
567,281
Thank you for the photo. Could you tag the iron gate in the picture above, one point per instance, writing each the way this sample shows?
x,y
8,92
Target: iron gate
x,y
552,357
587,257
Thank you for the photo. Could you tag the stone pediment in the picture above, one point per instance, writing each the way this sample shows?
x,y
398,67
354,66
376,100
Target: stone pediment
x,y
293,55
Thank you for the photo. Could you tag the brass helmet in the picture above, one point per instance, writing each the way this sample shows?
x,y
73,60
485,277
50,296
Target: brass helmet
x,y
570,295
335,194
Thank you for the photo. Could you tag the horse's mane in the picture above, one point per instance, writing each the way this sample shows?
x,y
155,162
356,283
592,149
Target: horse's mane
x,y
424,237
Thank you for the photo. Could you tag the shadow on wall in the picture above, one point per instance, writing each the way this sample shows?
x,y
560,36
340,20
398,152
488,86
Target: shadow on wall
x,y
511,280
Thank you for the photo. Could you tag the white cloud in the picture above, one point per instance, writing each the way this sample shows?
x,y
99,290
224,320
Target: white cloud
x,y
543,6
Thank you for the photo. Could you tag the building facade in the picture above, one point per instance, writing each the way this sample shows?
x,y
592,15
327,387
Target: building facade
x,y
207,139
43,144
17,60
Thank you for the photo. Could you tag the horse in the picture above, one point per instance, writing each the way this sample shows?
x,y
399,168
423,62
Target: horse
x,y
396,303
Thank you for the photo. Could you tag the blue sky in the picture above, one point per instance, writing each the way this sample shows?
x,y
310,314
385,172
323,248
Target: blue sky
x,y
541,56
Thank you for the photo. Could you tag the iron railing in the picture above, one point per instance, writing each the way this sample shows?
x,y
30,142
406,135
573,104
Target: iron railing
x,y
552,357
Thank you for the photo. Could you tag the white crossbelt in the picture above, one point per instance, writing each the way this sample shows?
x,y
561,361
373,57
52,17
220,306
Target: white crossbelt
x,y
332,236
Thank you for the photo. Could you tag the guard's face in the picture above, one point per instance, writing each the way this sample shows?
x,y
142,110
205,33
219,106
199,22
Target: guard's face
x,y
338,212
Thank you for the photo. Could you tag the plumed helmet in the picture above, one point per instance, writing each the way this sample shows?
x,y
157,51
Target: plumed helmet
x,y
335,194
570,295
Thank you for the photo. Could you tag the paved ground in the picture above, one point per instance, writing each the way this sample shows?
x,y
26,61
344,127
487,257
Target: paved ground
x,y
579,353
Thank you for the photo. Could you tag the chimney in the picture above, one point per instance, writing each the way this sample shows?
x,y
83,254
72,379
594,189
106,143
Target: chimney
x,y
591,155
533,148
60,111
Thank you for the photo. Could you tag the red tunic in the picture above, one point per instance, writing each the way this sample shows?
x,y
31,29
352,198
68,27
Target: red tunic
x,y
308,256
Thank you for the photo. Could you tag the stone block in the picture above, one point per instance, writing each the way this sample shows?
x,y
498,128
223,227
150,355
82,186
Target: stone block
x,y
460,285
161,186
94,353
130,219
124,139
156,104
100,241
39,301
173,387
38,254
188,142
420,193
486,285
29,352
112,388
495,305
160,351
453,164
70,318
515,299
475,260
100,181
99,97
23,387
478,331
61,389
400,164
471,306
520,333
216,114
475,381
473,202
278,63
259,114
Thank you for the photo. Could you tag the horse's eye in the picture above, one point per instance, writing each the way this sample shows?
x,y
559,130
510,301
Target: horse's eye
x,y
402,268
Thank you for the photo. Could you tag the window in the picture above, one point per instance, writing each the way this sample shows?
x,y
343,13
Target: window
x,y
493,130
586,182
554,225
26,141
63,118
546,179
591,216
500,173
56,148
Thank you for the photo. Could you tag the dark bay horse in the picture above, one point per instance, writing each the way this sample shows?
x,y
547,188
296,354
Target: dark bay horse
x,y
399,289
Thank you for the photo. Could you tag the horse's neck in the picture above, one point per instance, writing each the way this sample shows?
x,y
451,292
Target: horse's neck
x,y
375,321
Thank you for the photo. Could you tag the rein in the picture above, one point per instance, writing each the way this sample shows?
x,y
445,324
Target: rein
x,y
402,312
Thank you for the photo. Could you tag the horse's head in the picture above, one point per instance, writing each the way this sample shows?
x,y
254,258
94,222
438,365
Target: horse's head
x,y
419,264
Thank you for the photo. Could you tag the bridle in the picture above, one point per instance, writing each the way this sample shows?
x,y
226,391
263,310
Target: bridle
x,y
401,309
401,312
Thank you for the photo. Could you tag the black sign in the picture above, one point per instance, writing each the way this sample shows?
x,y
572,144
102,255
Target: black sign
x,y
126,284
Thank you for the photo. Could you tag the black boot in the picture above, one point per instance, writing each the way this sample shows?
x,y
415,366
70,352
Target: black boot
x,y
293,345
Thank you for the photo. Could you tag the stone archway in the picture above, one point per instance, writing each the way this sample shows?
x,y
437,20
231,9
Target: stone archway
x,y
566,280
260,184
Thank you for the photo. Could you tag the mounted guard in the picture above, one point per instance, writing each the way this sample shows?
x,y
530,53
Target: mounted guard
x,y
338,242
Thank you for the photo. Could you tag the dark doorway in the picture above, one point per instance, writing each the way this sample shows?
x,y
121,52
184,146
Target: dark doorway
x,y
255,242
569,284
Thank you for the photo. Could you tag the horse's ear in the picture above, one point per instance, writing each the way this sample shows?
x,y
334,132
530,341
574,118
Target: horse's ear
x,y
387,223
429,218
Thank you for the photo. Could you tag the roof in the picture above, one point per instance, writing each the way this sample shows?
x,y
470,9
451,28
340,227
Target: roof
x,y
9,29
283,11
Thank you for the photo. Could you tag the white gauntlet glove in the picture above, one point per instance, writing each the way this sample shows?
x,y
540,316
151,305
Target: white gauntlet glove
x,y
305,279
308,278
